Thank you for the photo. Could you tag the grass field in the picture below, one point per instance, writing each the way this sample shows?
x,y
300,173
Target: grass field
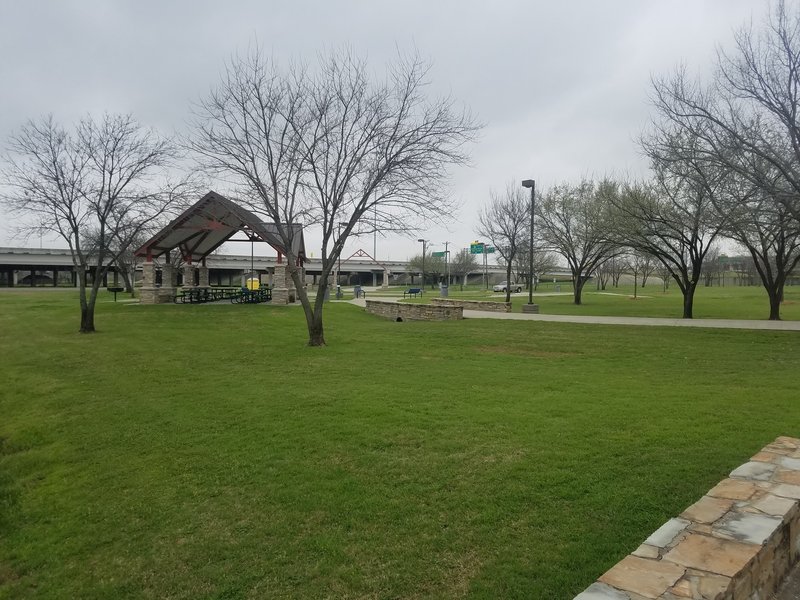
x,y
205,452
730,302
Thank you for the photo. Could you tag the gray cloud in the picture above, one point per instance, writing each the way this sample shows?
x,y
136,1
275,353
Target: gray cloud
x,y
562,86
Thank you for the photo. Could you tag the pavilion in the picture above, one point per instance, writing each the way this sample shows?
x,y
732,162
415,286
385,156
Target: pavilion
x,y
201,229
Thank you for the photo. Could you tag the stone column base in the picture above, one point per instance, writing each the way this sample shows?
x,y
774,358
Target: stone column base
x,y
280,295
530,308
166,294
149,295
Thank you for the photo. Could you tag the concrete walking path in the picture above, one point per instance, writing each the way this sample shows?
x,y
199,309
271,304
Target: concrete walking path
x,y
635,321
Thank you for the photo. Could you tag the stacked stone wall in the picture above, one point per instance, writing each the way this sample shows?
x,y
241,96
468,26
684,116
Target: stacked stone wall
x,y
487,305
738,542
414,312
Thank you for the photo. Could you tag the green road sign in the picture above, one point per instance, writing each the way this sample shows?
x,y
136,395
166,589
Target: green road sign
x,y
438,254
489,249
476,248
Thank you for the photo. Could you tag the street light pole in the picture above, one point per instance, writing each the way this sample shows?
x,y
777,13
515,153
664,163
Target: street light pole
x,y
531,183
423,262
447,262
339,270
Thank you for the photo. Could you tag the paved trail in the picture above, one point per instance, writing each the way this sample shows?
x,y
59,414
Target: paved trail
x,y
637,321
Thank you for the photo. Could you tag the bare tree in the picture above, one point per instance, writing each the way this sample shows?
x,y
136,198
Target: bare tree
x,y
434,267
543,262
636,263
603,274
616,267
575,222
505,221
462,264
711,266
332,147
672,219
96,186
648,264
664,274
745,121
763,225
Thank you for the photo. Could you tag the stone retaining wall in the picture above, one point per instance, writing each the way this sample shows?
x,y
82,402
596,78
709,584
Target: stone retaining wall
x,y
737,542
414,312
487,305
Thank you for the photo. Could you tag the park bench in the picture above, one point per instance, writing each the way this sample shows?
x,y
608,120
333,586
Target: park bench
x,y
412,292
359,292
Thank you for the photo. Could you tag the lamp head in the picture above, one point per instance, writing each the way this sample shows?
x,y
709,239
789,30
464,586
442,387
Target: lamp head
x,y
528,183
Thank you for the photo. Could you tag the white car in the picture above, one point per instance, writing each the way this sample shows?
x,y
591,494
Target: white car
x,y
503,286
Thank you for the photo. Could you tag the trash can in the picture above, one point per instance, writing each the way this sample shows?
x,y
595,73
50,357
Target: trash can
x,y
443,291
338,292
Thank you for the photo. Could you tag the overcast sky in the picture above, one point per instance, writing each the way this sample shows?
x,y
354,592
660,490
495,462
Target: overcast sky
x,y
561,86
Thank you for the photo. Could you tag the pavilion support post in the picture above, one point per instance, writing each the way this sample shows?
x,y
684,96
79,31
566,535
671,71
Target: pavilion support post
x,y
203,272
188,276
280,290
290,283
167,290
149,293
385,285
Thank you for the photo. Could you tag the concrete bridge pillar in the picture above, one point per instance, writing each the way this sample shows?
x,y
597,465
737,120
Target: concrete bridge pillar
x,y
385,285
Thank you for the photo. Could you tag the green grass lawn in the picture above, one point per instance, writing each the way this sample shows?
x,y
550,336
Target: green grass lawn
x,y
729,302
206,452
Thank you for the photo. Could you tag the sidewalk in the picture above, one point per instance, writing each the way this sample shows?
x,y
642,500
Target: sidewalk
x,y
635,321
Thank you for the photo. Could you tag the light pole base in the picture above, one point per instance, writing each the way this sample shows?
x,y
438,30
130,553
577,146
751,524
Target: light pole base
x,y
530,308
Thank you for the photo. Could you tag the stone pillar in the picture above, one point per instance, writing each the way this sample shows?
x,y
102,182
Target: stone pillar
x,y
280,290
203,271
148,294
167,291
385,285
188,275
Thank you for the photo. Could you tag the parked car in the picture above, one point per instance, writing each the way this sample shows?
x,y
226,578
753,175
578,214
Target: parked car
x,y
503,286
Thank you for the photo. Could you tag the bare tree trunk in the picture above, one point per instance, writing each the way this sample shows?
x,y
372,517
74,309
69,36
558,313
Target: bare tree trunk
x,y
508,280
87,304
774,305
313,313
87,319
578,289
316,334
688,300
126,280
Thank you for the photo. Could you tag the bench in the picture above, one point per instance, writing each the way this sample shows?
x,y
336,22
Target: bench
x,y
359,292
412,292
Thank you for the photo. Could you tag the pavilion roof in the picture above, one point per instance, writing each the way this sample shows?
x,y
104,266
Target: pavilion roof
x,y
212,221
